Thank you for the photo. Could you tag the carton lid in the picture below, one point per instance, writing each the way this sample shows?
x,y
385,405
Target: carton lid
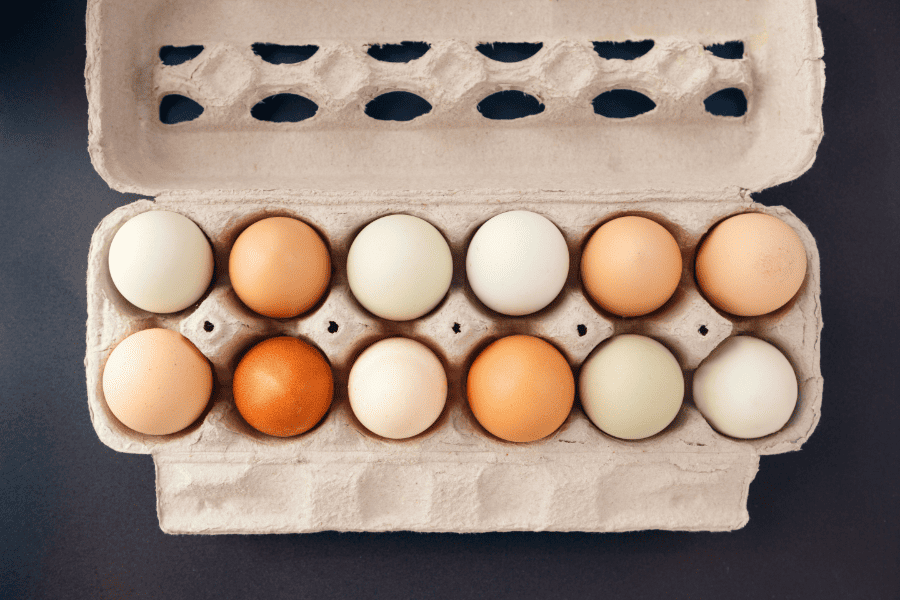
x,y
675,149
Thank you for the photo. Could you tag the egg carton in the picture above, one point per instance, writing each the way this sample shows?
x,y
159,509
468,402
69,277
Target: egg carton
x,y
341,169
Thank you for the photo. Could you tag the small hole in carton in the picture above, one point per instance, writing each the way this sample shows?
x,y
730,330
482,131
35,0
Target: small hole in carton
x,y
208,327
283,55
510,52
176,55
703,330
622,104
284,108
397,106
456,328
510,104
628,50
403,52
332,327
178,109
582,330
730,102
728,50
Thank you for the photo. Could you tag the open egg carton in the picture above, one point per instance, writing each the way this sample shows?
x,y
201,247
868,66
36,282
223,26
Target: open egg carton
x,y
456,167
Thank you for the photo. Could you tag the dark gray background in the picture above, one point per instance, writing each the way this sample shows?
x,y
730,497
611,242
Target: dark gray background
x,y
78,520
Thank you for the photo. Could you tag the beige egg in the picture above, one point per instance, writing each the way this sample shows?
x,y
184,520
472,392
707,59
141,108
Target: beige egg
x,y
157,382
751,264
279,267
521,388
631,266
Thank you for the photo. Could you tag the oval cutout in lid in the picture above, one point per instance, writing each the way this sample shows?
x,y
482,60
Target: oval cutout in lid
x,y
728,50
176,55
403,52
175,108
730,102
397,106
284,108
510,52
278,54
510,104
622,104
627,50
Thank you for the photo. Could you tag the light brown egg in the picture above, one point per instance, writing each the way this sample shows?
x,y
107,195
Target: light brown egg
x,y
631,266
157,382
283,386
279,267
751,264
521,388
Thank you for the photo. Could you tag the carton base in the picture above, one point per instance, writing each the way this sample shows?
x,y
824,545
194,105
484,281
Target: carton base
x,y
208,493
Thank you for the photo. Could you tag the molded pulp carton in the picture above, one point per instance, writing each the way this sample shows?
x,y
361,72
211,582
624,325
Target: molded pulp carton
x,y
341,169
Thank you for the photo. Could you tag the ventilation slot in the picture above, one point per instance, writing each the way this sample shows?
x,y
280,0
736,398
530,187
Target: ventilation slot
x,y
403,52
397,106
178,109
176,55
623,50
283,55
284,108
622,104
730,102
510,104
729,50
509,52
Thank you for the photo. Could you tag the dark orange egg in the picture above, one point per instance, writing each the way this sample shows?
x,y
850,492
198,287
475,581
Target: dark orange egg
x,y
283,386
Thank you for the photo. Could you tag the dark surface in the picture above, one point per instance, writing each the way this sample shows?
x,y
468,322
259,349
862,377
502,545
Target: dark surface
x,y
79,520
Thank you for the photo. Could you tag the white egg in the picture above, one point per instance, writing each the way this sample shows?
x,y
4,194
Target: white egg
x,y
160,261
631,387
397,388
517,263
746,388
399,267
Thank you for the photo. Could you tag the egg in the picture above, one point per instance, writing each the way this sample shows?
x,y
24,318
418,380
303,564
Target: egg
x,y
520,388
283,386
631,266
751,264
399,267
279,267
517,263
160,261
156,382
397,388
631,387
746,388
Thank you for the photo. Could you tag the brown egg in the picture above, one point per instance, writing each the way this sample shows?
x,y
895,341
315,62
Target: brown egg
x,y
521,388
751,264
157,382
631,266
279,267
283,386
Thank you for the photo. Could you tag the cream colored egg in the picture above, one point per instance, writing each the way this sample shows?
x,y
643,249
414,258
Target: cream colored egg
x,y
746,388
631,387
517,263
399,267
160,261
397,388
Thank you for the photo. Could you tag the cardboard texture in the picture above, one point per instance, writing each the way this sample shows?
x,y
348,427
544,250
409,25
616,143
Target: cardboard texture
x,y
341,169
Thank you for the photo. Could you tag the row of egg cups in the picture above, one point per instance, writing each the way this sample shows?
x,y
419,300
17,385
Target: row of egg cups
x,y
400,267
520,388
